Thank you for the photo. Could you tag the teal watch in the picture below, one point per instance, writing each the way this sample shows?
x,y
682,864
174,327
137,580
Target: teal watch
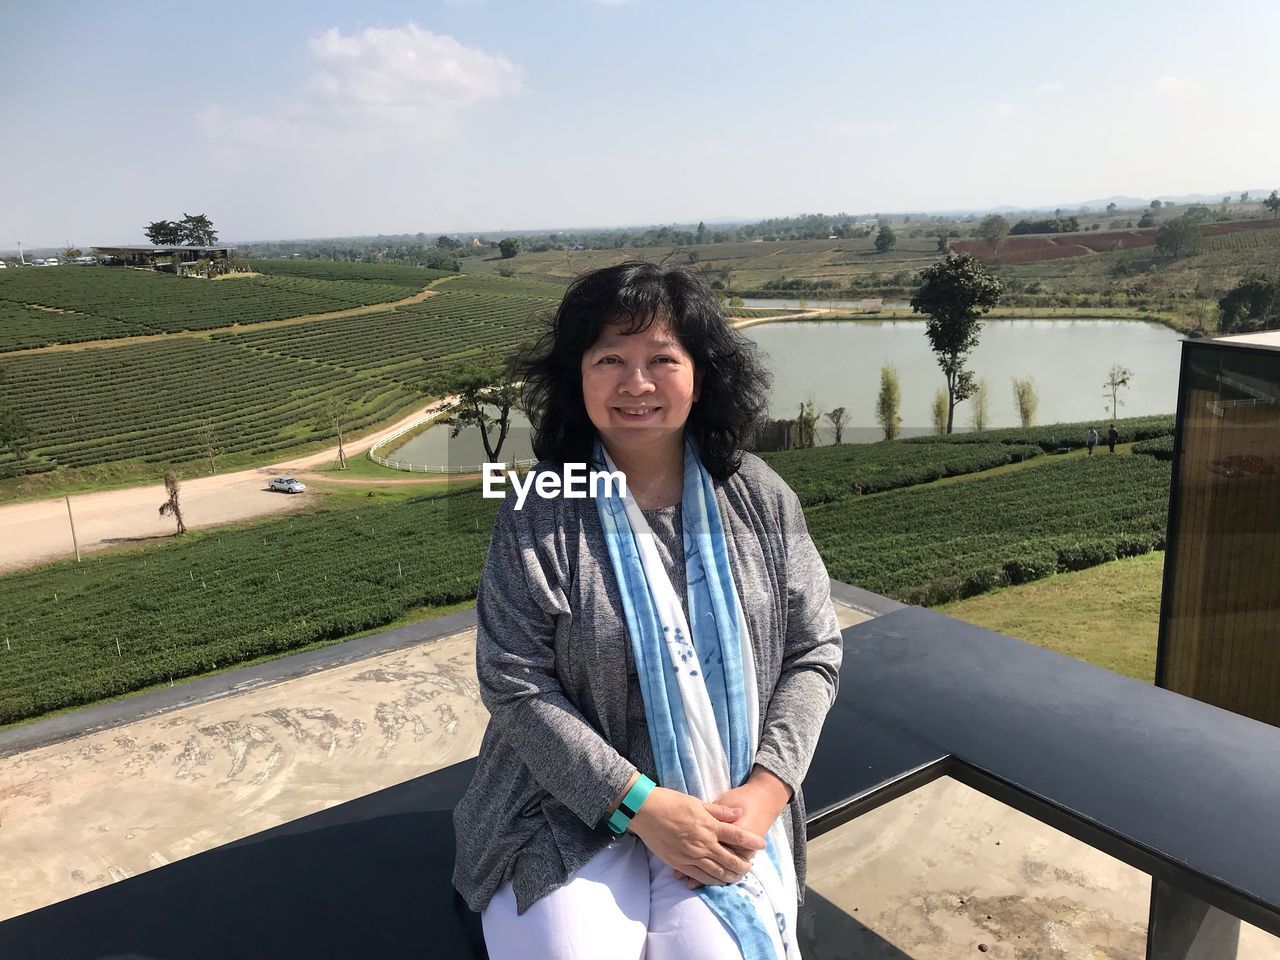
x,y
630,805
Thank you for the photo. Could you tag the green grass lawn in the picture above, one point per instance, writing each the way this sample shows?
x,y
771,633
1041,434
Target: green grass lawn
x,y
1107,615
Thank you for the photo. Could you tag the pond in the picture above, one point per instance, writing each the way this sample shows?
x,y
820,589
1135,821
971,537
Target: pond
x,y
837,363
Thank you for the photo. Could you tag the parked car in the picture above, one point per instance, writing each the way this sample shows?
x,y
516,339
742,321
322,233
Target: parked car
x,y
3,265
286,485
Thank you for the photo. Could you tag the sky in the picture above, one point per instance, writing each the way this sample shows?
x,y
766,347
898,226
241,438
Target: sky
x,y
310,119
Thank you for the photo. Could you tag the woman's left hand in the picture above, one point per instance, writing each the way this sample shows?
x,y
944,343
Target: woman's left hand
x,y
762,799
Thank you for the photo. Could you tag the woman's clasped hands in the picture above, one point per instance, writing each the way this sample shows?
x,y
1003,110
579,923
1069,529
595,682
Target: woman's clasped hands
x,y
699,840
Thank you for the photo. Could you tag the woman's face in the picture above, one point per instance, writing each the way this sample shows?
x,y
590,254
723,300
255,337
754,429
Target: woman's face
x,y
638,388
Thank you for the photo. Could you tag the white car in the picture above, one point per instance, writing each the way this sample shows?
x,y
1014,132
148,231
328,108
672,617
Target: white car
x,y
286,485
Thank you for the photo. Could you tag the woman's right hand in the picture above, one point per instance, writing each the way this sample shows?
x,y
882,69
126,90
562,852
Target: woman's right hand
x,y
694,837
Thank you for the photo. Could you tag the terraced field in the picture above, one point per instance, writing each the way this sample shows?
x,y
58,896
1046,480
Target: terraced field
x,y
75,304
940,543
258,391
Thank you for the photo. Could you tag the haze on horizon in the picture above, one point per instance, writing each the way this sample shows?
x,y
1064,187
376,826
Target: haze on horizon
x,y
316,119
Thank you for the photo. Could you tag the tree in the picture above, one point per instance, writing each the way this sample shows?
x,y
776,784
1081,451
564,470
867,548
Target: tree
x,y
480,387
1244,197
807,424
839,418
72,252
333,415
1179,237
993,229
1147,219
1026,399
944,240
978,411
508,247
701,236
441,260
208,439
1226,201
1252,305
197,230
1117,379
1111,207
15,435
1155,204
940,412
888,401
886,239
954,294
170,507
1272,203
446,242
164,233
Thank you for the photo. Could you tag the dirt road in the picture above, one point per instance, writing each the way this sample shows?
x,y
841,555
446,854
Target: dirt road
x,y
38,531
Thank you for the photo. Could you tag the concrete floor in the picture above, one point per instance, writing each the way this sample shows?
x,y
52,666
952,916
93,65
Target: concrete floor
x,y
931,875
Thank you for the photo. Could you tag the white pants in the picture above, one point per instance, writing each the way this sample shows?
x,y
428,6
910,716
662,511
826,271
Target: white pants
x,y
625,904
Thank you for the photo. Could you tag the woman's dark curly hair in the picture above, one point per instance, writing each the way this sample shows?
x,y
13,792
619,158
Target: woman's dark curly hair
x,y
735,385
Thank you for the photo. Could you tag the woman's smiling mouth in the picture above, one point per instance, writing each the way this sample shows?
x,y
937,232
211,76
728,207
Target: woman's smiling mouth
x,y
636,413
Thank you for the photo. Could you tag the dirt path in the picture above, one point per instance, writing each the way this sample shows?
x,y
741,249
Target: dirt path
x,y
35,532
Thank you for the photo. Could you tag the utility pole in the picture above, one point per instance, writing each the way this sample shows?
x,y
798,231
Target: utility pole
x,y
74,541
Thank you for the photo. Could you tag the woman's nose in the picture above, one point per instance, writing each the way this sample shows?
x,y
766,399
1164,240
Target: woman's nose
x,y
637,380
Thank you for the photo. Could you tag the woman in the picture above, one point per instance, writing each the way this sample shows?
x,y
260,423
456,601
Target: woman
x,y
681,634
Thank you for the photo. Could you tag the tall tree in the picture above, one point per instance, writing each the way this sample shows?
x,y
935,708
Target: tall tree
x,y
164,233
207,437
1252,305
1026,399
1244,197
888,401
171,506
940,413
886,239
978,410
508,247
993,229
1117,379
1272,203
333,416
806,424
197,230
839,418
1179,237
488,393
954,293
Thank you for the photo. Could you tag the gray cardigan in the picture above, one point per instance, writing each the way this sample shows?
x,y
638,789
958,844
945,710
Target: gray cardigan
x,y
557,676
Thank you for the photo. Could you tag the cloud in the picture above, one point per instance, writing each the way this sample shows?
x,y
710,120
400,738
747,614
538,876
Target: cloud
x,y
1052,87
1171,86
383,86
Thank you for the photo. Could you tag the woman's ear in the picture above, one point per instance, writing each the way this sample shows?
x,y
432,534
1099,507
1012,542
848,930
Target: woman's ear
x,y
697,385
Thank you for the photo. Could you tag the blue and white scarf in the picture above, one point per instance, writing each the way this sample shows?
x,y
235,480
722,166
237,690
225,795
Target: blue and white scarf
x,y
699,686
